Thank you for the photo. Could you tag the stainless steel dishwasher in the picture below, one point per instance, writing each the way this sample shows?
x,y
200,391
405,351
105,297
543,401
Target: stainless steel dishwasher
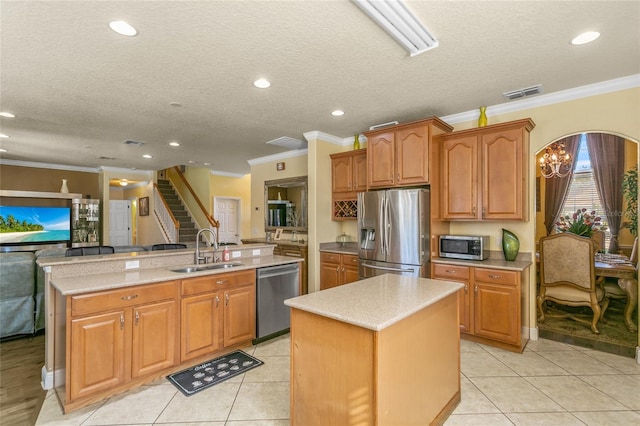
x,y
275,284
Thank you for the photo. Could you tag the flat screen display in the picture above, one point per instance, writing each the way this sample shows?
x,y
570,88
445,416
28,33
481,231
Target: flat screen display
x,y
30,225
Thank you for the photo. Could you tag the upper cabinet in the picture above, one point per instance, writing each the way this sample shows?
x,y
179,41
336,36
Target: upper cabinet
x,y
348,177
399,155
485,172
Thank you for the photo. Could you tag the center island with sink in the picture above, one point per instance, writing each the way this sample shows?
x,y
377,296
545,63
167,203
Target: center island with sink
x,y
118,321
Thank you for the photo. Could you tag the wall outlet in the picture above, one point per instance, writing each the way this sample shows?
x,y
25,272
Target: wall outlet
x,y
235,254
132,264
256,252
499,243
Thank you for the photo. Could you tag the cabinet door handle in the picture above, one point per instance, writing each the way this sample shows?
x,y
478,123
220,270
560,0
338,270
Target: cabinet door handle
x,y
137,317
221,282
475,289
495,277
466,288
131,297
337,269
450,271
217,300
473,210
226,296
121,321
483,212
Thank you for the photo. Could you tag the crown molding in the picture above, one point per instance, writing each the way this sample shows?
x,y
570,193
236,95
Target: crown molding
x,y
228,174
280,156
48,166
600,88
315,135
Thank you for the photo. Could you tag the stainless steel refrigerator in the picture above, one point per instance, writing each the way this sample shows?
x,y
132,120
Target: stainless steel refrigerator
x,y
393,232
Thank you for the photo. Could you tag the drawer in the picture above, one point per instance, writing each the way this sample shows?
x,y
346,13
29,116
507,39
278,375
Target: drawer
x,y
498,276
451,272
122,298
215,282
290,252
330,258
348,259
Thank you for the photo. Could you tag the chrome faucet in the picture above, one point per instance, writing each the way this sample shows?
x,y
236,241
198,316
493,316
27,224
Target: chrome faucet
x,y
214,243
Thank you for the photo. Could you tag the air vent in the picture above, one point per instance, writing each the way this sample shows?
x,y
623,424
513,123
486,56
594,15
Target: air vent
x,y
380,126
521,93
289,143
106,158
136,143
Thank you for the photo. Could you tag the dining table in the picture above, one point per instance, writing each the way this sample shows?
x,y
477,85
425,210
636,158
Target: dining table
x,y
619,266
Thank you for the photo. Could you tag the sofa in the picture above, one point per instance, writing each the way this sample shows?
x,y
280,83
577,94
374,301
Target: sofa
x,y
22,289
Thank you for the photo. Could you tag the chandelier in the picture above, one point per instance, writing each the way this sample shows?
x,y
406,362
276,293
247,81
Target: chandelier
x,y
555,161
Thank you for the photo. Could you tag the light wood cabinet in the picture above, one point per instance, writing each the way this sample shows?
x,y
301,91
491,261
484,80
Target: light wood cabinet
x,y
400,155
489,304
348,177
337,269
217,311
115,337
485,172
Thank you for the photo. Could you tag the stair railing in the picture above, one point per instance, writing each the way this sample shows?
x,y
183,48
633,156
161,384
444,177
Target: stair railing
x,y
210,219
169,224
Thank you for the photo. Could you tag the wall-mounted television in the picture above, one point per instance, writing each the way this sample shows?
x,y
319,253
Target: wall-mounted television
x,y
22,226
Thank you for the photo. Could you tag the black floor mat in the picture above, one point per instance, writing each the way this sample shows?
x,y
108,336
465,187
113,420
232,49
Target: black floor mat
x,y
212,372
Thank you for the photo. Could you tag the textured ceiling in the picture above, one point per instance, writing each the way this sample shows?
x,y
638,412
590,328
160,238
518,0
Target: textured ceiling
x,y
79,90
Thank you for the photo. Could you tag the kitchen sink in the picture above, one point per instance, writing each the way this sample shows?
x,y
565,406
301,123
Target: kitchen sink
x,y
200,268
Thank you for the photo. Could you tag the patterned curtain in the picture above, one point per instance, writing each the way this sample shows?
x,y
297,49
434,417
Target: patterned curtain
x,y
607,159
556,188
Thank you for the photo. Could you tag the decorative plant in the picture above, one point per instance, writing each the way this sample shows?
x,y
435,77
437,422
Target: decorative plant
x,y
630,191
584,223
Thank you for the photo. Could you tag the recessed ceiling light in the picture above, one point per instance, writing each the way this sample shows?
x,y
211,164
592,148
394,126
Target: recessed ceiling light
x,y
2,135
147,156
337,113
124,182
7,114
174,143
123,28
262,83
207,164
191,162
3,150
585,38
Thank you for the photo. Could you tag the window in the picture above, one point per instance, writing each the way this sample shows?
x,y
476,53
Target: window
x,y
582,192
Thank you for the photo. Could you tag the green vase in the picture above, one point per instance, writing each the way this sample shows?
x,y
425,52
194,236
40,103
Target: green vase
x,y
510,245
356,142
482,120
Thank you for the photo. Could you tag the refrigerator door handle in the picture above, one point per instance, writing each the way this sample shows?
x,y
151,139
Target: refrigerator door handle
x,y
385,225
384,268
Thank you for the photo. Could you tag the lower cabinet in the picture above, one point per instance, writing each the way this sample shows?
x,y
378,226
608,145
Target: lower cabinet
x,y
111,341
489,303
116,337
217,311
337,269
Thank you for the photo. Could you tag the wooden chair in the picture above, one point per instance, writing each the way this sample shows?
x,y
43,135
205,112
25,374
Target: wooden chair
x,y
598,241
567,276
618,289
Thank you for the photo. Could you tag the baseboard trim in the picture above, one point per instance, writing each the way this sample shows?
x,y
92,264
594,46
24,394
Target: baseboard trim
x,y
48,378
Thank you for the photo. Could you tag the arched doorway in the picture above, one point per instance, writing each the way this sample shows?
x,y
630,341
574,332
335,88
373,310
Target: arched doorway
x,y
580,186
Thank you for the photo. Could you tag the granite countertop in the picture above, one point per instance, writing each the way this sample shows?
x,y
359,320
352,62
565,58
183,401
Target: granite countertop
x,y
100,282
346,248
491,263
375,303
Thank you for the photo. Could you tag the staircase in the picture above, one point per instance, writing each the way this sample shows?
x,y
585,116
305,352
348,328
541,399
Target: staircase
x,y
188,229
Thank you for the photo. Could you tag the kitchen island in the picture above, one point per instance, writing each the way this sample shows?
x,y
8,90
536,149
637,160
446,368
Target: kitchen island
x,y
380,351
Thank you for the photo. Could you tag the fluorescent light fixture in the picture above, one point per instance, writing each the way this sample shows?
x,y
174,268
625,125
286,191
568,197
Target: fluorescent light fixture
x,y
337,113
123,28
262,83
394,17
7,115
585,38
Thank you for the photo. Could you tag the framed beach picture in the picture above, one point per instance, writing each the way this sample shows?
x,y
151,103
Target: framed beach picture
x,y
278,234
143,206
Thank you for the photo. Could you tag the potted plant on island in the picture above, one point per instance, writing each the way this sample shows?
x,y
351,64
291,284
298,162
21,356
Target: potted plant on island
x,y
583,224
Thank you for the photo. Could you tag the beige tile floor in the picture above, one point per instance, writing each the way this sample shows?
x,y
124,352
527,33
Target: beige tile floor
x,y
550,383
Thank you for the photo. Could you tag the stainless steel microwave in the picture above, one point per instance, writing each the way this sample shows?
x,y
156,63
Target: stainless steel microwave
x,y
468,247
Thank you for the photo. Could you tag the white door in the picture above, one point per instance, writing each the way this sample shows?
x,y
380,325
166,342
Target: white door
x,y
227,212
120,222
